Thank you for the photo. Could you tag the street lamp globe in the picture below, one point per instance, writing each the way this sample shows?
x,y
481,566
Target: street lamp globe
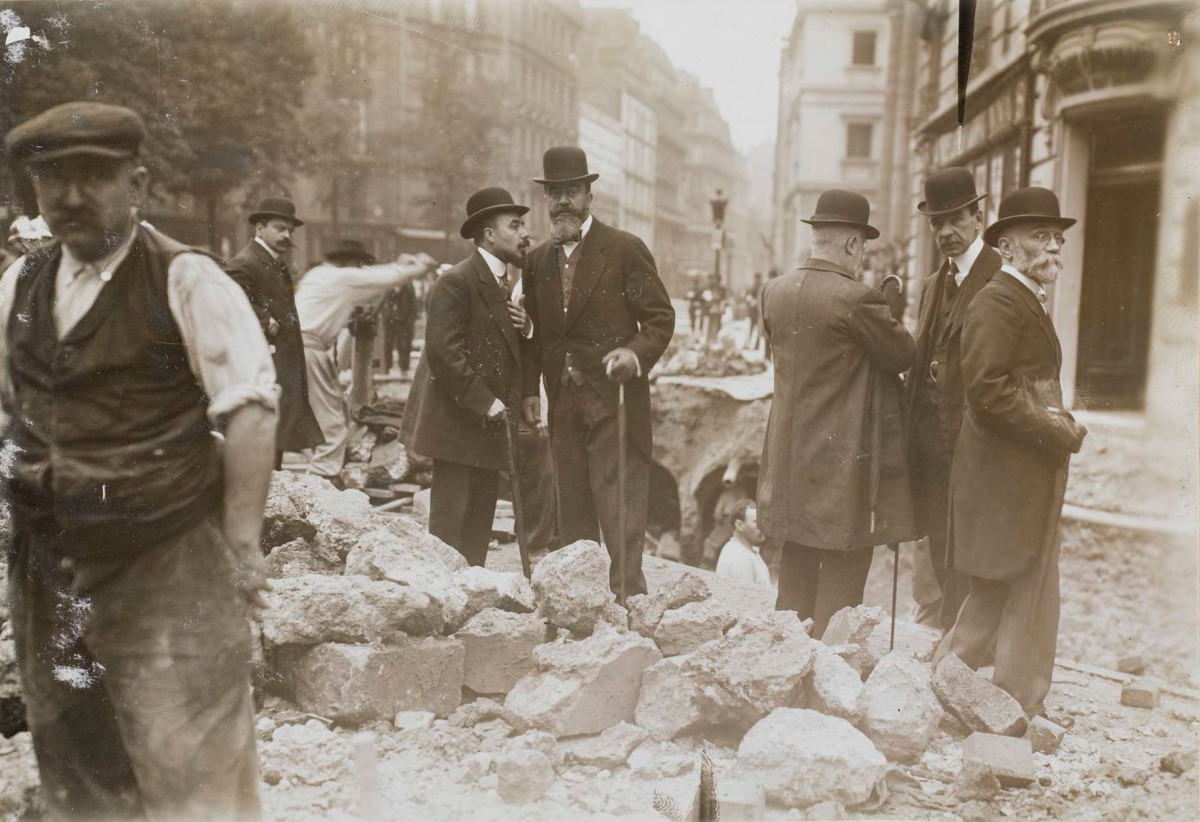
x,y
718,203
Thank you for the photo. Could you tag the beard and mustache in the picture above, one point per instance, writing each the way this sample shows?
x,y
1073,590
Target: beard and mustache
x,y
566,225
1042,268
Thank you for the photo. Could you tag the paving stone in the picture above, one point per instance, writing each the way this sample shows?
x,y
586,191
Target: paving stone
x,y
1045,736
975,701
571,586
1141,693
1132,664
1009,758
499,649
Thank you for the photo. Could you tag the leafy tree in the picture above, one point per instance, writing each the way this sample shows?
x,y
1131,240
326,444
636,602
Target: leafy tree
x,y
219,85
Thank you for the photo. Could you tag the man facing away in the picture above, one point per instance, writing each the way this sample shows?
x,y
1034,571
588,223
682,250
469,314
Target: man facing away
x,y
135,550
740,557
262,271
325,301
601,317
469,376
833,477
1010,463
934,386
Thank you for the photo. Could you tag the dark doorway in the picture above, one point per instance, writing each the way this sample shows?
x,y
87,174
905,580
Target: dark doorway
x,y
1119,252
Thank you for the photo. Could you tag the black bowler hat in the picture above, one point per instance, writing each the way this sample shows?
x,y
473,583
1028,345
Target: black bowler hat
x,y
276,207
76,128
349,251
565,164
843,208
494,200
1032,204
947,190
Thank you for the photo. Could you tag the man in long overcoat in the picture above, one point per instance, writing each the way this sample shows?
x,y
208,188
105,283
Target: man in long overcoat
x,y
934,390
601,316
262,271
833,481
1010,464
469,376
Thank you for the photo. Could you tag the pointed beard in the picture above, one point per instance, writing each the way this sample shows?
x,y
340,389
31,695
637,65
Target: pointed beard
x,y
566,227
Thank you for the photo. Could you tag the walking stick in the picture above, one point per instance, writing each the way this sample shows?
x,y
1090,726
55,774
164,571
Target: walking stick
x,y
876,447
622,425
515,482
895,546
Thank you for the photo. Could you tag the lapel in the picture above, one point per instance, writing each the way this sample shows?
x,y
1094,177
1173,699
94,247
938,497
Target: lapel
x,y
277,269
1043,318
590,264
982,270
547,274
493,298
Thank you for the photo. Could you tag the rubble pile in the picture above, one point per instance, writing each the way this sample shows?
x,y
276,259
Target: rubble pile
x,y
379,464
708,361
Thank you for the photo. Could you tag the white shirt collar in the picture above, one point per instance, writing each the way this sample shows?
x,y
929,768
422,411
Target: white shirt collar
x,y
1037,290
271,251
967,259
583,232
105,266
737,538
495,264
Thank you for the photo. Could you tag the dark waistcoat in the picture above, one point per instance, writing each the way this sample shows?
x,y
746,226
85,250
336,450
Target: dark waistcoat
x,y
114,450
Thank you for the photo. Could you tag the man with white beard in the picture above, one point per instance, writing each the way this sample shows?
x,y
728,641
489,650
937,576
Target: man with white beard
x,y
1010,463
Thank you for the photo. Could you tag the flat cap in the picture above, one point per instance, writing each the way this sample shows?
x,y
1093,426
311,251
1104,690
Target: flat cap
x,y
76,128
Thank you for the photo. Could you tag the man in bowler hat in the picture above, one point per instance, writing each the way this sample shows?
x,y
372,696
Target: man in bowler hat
x,y
262,271
934,390
469,376
1010,462
601,316
833,481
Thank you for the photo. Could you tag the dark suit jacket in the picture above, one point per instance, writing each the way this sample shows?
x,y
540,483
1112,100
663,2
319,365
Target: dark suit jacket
x,y
1005,495
834,343
268,284
617,300
472,356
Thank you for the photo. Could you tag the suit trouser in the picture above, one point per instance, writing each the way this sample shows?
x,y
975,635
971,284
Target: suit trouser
x,y
1018,618
931,496
817,583
462,506
328,403
136,680
537,488
584,443
398,339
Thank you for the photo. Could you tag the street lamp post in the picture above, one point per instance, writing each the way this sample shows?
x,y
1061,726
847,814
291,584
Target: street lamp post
x,y
718,203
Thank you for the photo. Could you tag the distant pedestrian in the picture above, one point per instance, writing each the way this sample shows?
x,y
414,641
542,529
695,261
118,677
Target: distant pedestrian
x,y
399,317
753,305
740,557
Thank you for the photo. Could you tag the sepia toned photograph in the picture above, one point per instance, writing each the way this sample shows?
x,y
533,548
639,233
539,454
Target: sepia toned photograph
x,y
556,410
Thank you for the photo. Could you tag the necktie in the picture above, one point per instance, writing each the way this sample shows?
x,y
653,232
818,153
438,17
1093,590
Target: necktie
x,y
951,281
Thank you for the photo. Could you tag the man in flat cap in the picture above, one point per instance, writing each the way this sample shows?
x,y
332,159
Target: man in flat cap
x,y
135,553
934,390
601,316
1010,462
833,481
469,376
262,271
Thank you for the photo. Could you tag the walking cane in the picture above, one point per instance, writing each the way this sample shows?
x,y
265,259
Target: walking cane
x,y
876,447
515,482
622,425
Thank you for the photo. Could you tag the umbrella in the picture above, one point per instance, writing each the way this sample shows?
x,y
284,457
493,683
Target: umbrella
x,y
966,40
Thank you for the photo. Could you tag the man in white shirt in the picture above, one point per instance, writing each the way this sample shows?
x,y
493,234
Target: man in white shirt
x,y
740,558
325,299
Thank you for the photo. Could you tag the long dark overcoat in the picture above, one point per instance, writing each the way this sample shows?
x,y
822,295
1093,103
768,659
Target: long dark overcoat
x,y
472,357
268,284
834,342
1004,498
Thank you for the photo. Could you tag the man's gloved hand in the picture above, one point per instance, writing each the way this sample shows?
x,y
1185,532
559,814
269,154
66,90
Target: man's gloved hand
x,y
496,412
893,292
531,408
520,318
620,364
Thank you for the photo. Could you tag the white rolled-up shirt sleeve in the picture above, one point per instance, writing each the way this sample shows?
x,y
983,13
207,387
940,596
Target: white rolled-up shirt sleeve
x,y
225,344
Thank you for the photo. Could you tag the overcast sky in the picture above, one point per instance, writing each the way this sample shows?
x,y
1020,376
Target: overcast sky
x,y
731,45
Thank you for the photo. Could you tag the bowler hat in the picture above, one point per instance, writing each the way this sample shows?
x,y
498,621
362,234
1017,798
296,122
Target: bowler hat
x,y
76,128
1032,204
276,207
843,208
565,164
947,190
485,201
349,251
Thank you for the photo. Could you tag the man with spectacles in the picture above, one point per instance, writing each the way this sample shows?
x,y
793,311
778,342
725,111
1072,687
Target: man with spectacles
x,y
934,385
601,317
1010,463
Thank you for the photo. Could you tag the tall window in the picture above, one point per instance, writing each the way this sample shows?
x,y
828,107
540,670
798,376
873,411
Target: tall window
x,y
858,141
864,48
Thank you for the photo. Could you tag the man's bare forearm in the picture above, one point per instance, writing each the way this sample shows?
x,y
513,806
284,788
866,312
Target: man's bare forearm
x,y
249,460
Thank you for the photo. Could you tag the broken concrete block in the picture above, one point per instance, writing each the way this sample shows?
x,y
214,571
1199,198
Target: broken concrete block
x,y
669,703
741,800
655,759
855,656
900,710
340,518
975,701
616,616
308,753
583,687
382,555
611,749
297,558
353,475
803,757
1132,664
773,622
499,649
685,588
360,444
355,683
414,720
301,489
682,630
315,608
486,588
644,613
570,586
853,625
918,641
388,464
413,532
476,711
976,781
1009,758
283,521
1141,693
1045,736
523,775
833,686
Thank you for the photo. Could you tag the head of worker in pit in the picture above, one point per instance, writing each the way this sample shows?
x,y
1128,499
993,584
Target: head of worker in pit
x,y
82,159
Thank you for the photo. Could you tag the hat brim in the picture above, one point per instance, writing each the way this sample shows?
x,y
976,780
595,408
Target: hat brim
x,y
258,215
929,212
589,178
50,155
349,256
992,232
468,226
872,231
